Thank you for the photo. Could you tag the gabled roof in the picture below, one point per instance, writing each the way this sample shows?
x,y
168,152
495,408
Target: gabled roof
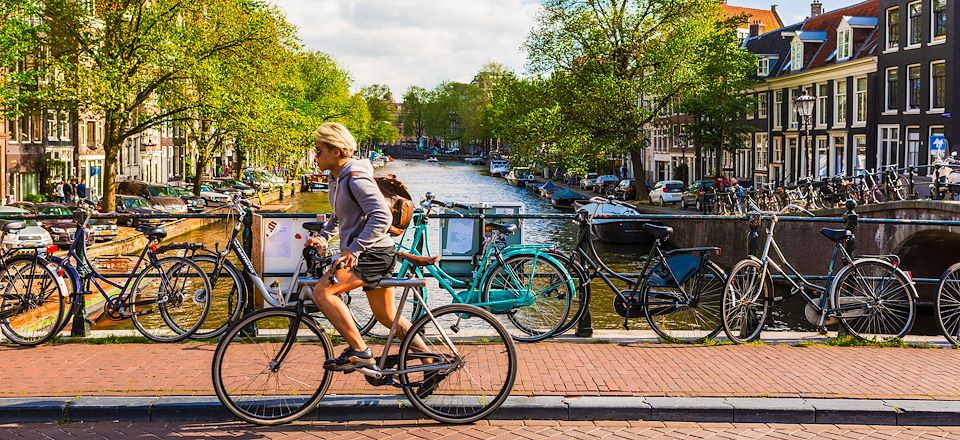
x,y
768,18
772,44
828,22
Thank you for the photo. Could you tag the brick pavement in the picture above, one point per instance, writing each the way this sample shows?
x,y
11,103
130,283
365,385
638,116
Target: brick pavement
x,y
568,369
481,430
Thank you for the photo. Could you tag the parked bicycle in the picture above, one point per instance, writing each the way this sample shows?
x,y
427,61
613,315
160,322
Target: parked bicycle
x,y
267,368
525,284
167,301
678,291
869,295
31,291
948,304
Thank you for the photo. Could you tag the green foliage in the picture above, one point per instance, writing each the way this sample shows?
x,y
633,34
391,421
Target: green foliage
x,y
20,37
413,113
35,198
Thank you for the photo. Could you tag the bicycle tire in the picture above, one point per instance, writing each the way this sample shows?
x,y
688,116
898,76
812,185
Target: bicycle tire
x,y
41,310
581,303
192,296
548,297
229,292
901,187
900,295
747,325
487,345
231,400
948,304
707,322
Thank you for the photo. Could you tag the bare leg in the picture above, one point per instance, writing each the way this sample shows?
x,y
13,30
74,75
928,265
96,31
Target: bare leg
x,y
326,297
381,303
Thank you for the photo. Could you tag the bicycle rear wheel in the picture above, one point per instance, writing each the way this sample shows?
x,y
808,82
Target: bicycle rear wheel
x,y
948,304
690,314
481,365
540,291
32,305
227,298
745,302
876,301
170,299
900,187
581,299
250,384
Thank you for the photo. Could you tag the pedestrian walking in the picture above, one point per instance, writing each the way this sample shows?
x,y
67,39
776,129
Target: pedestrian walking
x,y
68,191
58,191
82,189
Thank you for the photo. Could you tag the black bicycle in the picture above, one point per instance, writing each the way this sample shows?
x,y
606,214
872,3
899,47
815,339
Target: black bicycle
x,y
678,291
31,293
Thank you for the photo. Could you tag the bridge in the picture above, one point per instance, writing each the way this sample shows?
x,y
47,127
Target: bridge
x,y
925,250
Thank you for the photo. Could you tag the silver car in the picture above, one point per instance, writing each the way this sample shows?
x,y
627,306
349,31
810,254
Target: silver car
x,y
33,236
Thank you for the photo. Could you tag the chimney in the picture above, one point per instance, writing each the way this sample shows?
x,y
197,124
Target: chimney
x,y
756,28
816,8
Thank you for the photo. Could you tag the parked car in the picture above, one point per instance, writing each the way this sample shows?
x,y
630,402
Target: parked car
x,y
699,195
587,181
604,183
245,190
194,202
666,191
220,188
626,190
128,204
261,180
32,236
162,197
61,230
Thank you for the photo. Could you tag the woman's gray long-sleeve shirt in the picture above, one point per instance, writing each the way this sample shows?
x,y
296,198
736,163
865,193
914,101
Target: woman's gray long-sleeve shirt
x,y
363,223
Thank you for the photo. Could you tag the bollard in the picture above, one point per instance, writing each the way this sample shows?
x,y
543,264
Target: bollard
x,y
81,325
585,324
852,219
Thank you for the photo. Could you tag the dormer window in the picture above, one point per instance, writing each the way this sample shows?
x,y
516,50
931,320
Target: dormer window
x,y
844,44
796,55
763,66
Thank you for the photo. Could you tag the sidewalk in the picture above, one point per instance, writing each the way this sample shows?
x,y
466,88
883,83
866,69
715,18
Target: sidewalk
x,y
555,381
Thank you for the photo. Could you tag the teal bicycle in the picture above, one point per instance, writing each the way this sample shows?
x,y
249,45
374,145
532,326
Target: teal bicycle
x,y
521,284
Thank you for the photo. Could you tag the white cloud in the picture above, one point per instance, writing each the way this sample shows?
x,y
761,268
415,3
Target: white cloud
x,y
414,42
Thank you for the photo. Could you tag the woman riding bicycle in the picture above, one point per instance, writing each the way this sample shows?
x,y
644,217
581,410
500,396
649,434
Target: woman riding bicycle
x,y
367,252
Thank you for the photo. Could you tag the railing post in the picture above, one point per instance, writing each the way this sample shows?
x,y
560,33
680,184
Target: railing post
x,y
912,173
753,237
852,220
585,324
81,326
247,239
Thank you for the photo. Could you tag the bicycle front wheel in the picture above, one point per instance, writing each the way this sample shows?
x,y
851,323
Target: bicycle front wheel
x,y
534,293
745,302
874,301
475,358
227,297
948,304
32,306
170,299
901,187
249,381
689,313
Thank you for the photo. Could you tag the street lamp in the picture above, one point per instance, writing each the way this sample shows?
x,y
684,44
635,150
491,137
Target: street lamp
x,y
803,105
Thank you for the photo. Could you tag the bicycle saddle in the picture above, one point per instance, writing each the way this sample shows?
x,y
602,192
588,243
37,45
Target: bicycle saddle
x,y
314,226
418,260
836,235
153,232
14,226
658,231
503,228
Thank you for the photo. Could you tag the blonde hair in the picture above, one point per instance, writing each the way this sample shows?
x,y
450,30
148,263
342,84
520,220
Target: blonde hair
x,y
335,135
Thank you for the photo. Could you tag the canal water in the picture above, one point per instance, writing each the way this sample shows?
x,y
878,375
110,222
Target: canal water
x,y
459,182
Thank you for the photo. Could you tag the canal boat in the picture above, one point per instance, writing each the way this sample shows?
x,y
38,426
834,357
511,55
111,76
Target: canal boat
x,y
623,231
547,188
313,183
499,167
474,160
433,159
565,199
519,176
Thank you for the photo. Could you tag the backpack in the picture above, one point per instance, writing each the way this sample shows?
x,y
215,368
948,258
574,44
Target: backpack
x,y
398,199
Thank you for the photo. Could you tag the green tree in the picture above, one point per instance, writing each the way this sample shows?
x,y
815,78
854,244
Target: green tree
x,y
413,112
20,70
382,109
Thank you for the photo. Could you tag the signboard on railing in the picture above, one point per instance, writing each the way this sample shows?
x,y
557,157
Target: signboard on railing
x,y
278,244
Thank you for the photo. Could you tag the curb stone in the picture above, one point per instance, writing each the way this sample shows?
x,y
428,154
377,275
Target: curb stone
x,y
396,407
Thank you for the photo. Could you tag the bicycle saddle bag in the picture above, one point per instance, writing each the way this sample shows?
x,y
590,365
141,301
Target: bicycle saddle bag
x,y
683,267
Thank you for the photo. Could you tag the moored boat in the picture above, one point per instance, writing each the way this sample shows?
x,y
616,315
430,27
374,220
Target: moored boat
x,y
518,176
433,159
565,199
499,167
623,231
547,188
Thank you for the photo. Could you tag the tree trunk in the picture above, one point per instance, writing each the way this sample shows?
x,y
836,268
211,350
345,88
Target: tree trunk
x,y
636,159
111,149
202,161
238,162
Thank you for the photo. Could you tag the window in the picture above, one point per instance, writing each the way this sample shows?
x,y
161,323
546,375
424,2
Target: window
x,y
822,157
938,85
840,102
778,149
913,87
889,152
939,25
893,28
844,45
936,131
914,30
913,146
12,129
763,66
762,106
762,148
796,55
839,155
860,147
37,127
823,110
893,88
778,109
91,135
860,100
792,119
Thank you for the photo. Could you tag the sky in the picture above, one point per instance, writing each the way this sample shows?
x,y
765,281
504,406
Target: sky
x,y
424,42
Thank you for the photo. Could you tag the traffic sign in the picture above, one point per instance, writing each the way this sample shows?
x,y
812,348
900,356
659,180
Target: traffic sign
x,y
938,145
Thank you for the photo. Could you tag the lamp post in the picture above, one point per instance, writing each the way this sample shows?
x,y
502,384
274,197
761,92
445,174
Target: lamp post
x,y
803,105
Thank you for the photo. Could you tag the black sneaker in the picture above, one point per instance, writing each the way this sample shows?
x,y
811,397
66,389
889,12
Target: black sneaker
x,y
350,360
431,380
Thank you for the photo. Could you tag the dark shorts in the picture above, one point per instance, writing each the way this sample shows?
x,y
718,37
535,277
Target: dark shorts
x,y
374,265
